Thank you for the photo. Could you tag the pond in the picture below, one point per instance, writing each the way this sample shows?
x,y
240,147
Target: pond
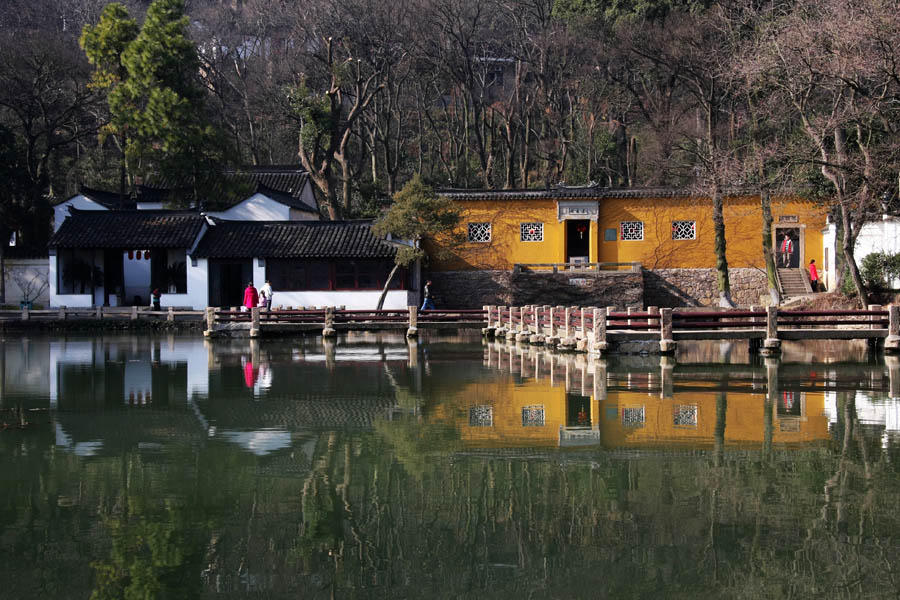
x,y
174,467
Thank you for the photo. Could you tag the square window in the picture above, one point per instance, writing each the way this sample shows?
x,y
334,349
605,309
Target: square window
x,y
684,415
532,232
684,230
533,416
481,416
633,416
632,230
609,235
480,232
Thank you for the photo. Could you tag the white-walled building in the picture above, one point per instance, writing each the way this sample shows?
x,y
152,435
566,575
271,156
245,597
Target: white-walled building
x,y
875,236
117,257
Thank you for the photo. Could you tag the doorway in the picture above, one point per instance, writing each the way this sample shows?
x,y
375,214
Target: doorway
x,y
578,240
227,280
788,247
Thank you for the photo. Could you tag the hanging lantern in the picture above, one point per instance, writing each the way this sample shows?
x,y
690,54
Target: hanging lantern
x,y
131,255
581,229
146,255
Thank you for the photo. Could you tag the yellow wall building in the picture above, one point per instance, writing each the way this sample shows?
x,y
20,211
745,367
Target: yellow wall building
x,y
660,229
532,413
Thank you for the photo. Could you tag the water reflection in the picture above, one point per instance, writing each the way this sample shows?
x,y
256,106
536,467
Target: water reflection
x,y
372,468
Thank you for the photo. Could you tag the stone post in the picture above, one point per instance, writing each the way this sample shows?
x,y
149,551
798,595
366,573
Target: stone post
x,y
25,315
329,331
170,315
412,329
609,311
254,321
514,312
583,341
134,313
755,343
630,311
771,345
599,345
210,319
875,343
567,339
892,341
667,343
488,331
62,313
524,333
553,338
98,314
500,330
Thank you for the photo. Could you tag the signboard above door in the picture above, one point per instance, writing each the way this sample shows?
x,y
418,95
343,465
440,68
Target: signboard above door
x,y
577,209
788,219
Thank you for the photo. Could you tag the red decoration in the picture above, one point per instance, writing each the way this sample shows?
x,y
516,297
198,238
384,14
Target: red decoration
x,y
146,255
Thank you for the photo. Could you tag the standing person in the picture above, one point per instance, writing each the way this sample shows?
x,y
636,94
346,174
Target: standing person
x,y
267,290
813,276
251,297
428,303
787,249
155,299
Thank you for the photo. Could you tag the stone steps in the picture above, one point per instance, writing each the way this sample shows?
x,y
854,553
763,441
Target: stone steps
x,y
792,282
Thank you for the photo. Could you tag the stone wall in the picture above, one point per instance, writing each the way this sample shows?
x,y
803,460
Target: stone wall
x,y
474,289
699,287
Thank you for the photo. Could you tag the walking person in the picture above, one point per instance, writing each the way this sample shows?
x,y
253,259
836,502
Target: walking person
x,y
786,249
428,303
267,290
813,276
251,297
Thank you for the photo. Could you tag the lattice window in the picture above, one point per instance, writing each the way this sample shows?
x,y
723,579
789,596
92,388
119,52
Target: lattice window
x,y
684,230
533,416
481,416
532,232
633,416
684,415
479,232
632,230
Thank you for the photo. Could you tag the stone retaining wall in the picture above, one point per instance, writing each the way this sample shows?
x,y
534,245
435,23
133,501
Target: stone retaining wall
x,y
699,287
474,289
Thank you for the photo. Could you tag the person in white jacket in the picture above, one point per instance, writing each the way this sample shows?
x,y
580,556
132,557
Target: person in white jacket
x,y
267,290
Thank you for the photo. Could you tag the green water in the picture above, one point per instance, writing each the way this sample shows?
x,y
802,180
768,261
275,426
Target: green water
x,y
168,467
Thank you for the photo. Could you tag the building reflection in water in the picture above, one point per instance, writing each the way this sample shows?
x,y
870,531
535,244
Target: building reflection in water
x,y
113,392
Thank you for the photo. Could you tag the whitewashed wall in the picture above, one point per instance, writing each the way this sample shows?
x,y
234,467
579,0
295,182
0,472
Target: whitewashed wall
x,y
56,300
197,296
876,236
30,273
257,207
396,299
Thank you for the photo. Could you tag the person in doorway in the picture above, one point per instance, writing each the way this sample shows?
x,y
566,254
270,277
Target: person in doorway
x,y
787,249
428,302
813,276
267,290
251,297
155,299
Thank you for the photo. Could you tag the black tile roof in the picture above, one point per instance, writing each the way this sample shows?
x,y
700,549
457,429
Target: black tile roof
x,y
562,193
128,229
286,180
293,239
104,198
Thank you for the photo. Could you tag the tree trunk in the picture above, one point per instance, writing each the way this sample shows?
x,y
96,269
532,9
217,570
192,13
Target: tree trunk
x,y
387,286
847,247
3,243
768,250
721,260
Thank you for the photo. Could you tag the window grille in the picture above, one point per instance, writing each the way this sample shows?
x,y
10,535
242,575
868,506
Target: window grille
x,y
633,416
481,416
479,232
632,230
684,415
532,232
533,416
684,230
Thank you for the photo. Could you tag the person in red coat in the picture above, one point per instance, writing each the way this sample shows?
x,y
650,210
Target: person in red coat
x,y
813,276
251,297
